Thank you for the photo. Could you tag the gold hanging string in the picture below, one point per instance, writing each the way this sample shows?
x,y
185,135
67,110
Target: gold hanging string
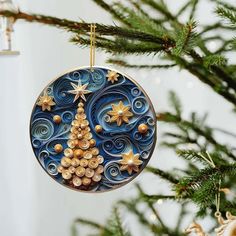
x,y
92,45
217,213
210,161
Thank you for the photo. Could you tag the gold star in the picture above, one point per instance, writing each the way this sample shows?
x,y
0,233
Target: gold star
x,y
130,162
120,113
112,76
46,102
79,90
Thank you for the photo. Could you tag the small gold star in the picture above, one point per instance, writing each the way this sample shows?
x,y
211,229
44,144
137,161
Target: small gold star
x,y
130,162
46,102
120,113
112,76
79,90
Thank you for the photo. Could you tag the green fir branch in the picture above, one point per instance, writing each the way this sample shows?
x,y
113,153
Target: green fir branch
x,y
127,65
226,13
163,174
185,39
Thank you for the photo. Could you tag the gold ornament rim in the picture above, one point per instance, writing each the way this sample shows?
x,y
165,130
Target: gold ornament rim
x,y
155,133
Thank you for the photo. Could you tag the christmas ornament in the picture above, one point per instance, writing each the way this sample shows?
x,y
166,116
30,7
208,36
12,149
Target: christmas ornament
x,y
227,226
93,129
195,228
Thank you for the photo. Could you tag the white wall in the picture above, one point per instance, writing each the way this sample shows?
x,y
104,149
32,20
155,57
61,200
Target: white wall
x,y
31,203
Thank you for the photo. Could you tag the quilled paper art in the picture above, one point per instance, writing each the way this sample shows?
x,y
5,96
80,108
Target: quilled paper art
x,y
93,130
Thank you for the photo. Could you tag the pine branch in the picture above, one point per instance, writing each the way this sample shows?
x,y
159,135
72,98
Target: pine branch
x,y
188,186
184,8
117,15
198,128
89,223
132,207
154,212
193,10
155,198
84,28
115,225
228,14
214,60
163,174
159,8
125,64
120,46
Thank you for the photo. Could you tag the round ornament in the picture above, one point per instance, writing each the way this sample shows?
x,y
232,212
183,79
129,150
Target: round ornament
x,y
93,130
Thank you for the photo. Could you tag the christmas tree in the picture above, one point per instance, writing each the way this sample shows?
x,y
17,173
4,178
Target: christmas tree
x,y
80,166
211,168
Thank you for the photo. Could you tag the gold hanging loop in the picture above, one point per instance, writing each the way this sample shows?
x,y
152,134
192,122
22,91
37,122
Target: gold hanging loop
x,y
92,45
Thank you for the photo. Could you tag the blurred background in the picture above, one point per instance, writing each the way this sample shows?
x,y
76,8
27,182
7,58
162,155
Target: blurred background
x,y
31,203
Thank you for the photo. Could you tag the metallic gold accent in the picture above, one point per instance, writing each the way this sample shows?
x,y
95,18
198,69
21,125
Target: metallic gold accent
x,y
88,136
68,152
84,162
80,110
88,155
195,228
130,162
45,101
74,130
66,175
83,144
80,104
98,128
80,117
75,162
89,172
97,178
71,143
79,90
76,181
142,128
93,163
72,136
95,151
100,159
57,119
72,169
60,169
58,148
75,123
112,76
86,181
92,45
99,169
80,171
78,153
65,162
92,142
120,113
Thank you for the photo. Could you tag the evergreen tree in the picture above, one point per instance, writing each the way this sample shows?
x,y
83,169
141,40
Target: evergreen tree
x,y
182,44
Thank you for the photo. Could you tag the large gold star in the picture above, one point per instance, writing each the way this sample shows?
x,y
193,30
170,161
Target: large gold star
x,y
130,162
120,113
45,101
79,90
112,76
